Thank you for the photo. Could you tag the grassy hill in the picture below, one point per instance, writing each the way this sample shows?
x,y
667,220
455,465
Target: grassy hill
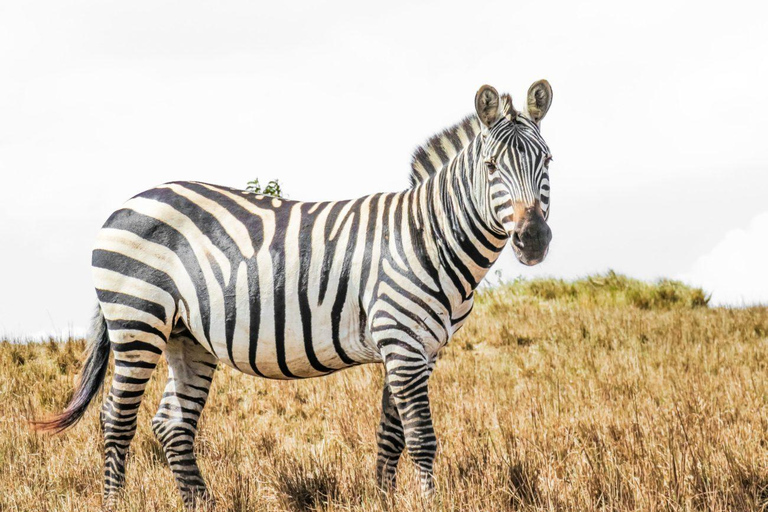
x,y
604,393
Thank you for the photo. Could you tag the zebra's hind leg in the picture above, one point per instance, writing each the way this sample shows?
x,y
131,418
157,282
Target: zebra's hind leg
x,y
137,347
190,373
390,439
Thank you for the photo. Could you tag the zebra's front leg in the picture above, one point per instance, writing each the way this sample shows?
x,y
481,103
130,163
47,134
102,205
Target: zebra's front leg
x,y
408,372
390,439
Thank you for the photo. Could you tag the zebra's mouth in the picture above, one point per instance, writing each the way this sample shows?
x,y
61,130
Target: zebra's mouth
x,y
530,258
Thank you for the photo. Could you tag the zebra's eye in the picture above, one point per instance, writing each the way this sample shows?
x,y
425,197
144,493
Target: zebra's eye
x,y
490,164
547,160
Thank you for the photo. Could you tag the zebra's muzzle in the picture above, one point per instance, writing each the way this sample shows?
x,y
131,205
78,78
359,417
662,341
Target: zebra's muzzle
x,y
531,237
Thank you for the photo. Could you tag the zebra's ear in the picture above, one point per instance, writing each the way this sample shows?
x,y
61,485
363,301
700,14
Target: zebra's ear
x,y
487,105
539,100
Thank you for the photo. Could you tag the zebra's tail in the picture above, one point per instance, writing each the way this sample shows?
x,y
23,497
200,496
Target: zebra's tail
x,y
90,381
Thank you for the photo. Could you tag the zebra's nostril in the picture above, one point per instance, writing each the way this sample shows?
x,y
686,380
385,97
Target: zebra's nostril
x,y
533,236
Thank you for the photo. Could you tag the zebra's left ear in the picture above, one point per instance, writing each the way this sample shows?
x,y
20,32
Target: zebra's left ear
x,y
539,100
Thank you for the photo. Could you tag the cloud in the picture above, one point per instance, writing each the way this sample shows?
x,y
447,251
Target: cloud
x,y
736,270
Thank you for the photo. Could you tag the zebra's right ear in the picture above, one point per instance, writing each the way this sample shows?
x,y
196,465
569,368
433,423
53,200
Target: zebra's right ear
x,y
487,105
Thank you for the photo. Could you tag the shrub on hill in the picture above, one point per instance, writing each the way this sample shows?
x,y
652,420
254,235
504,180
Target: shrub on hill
x,y
609,289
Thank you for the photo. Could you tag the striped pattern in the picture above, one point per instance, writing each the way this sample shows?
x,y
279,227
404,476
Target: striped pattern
x,y
518,148
442,148
285,290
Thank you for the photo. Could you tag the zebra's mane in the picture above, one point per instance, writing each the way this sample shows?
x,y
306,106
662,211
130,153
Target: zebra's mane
x,y
441,148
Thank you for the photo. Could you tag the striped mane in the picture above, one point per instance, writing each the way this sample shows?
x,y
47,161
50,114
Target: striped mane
x,y
441,148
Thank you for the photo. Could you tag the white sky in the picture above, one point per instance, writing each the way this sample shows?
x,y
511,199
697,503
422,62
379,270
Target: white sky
x,y
657,124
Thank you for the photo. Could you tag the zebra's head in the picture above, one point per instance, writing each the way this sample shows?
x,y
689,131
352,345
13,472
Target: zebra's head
x,y
515,159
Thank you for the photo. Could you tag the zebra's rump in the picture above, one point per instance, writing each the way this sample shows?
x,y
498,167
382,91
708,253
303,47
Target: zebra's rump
x,y
271,287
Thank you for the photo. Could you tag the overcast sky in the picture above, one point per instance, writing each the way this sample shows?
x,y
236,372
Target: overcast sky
x,y
658,124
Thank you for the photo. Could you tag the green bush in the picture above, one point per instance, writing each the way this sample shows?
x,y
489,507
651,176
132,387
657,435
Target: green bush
x,y
271,189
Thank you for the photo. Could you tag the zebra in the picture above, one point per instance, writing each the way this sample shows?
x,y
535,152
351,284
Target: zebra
x,y
287,290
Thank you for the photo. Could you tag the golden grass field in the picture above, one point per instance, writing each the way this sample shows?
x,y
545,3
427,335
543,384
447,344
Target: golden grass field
x,y
605,394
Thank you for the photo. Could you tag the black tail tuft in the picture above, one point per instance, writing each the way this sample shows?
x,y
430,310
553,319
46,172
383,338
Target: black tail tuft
x,y
91,379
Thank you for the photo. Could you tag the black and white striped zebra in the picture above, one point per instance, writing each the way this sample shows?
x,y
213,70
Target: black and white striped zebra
x,y
286,289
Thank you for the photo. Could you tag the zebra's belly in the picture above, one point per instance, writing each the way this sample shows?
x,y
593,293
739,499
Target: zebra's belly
x,y
289,347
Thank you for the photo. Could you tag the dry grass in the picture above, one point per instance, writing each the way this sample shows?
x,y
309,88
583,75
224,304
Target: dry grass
x,y
549,399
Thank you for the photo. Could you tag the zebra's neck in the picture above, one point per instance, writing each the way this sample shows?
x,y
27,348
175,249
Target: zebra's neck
x,y
463,236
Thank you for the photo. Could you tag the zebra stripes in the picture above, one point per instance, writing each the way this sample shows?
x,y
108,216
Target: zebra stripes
x,y
286,289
